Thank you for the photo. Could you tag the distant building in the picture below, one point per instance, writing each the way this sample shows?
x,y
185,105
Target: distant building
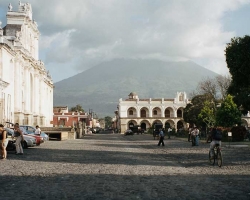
x,y
64,118
26,87
146,112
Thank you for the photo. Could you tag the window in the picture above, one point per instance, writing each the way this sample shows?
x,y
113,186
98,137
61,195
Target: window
x,y
179,113
131,112
155,112
167,113
143,113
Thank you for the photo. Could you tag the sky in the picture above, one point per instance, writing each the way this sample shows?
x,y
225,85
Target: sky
x,y
77,35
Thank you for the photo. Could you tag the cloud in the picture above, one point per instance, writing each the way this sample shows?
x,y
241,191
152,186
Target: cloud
x,y
83,33
58,47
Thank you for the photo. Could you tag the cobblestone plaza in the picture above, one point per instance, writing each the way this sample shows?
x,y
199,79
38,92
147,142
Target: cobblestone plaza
x,y
113,166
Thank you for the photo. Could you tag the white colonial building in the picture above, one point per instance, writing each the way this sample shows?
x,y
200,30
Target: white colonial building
x,y
26,93
146,112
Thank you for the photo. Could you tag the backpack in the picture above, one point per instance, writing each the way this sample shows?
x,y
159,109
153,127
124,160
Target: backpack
x,y
218,135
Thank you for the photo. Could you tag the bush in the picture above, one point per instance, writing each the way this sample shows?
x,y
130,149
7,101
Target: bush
x,y
224,135
182,133
150,130
238,133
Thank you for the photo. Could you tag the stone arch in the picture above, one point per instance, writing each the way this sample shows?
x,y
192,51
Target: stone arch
x,y
156,122
169,112
144,112
180,112
181,125
132,112
131,124
244,123
156,112
145,124
169,123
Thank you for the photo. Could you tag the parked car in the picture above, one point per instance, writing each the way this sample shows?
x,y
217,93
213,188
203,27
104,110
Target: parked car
x,y
29,141
39,139
31,130
129,132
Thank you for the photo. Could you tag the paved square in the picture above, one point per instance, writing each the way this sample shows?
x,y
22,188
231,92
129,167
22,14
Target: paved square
x,y
124,167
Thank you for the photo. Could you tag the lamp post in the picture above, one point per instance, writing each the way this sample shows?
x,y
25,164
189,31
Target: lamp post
x,y
229,134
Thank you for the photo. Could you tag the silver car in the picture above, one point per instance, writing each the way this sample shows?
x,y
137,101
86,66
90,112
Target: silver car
x,y
31,130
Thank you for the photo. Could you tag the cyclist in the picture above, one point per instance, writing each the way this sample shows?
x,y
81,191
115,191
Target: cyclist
x,y
216,139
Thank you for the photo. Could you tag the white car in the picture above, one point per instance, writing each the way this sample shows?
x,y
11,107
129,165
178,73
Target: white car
x,y
29,141
31,130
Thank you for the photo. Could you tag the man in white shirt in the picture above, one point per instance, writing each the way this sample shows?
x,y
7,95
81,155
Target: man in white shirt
x,y
169,132
38,130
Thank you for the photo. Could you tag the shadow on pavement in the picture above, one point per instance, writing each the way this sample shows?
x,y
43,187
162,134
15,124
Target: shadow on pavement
x,y
110,186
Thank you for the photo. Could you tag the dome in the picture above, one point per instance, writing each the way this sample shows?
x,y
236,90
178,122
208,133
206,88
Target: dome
x,y
132,94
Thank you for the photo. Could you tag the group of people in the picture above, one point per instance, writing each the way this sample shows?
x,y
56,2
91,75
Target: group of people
x,y
193,136
18,135
215,136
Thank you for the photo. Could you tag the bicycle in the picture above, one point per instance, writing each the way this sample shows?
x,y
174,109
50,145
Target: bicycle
x,y
217,156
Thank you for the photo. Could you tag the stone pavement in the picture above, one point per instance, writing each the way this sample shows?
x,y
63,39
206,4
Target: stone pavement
x,y
115,166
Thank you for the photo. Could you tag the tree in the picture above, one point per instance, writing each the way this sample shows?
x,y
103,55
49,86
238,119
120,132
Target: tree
x,y
77,108
207,114
223,83
215,87
228,114
238,63
208,86
192,110
108,121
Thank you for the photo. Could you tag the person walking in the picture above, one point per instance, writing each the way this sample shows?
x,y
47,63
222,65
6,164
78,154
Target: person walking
x,y
193,136
18,134
3,142
197,136
161,136
189,134
169,132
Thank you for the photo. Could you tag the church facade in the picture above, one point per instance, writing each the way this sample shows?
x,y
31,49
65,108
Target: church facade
x,y
146,112
26,95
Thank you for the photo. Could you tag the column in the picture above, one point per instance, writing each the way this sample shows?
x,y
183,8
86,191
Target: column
x,y
162,112
150,114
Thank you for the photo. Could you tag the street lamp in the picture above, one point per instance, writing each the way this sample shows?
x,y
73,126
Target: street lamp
x,y
229,135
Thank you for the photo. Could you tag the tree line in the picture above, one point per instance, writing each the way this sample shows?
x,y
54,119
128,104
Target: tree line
x,y
221,101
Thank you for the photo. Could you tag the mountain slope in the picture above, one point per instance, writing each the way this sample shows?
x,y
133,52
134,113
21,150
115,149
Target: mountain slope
x,y
100,87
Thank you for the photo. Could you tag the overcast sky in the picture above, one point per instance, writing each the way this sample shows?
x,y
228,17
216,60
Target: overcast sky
x,y
77,35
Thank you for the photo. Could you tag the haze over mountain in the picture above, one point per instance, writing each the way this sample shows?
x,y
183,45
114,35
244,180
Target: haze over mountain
x,y
99,88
